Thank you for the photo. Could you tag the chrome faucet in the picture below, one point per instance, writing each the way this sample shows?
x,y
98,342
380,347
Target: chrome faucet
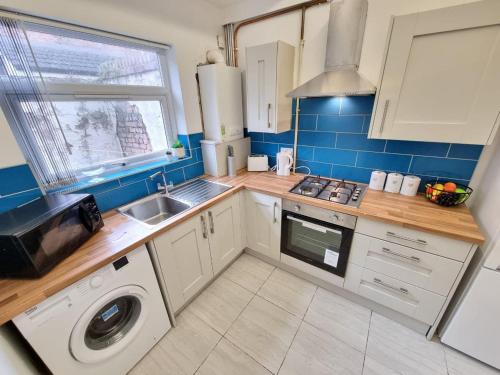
x,y
161,188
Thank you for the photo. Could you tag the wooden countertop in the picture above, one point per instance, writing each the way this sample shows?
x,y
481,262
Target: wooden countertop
x,y
122,234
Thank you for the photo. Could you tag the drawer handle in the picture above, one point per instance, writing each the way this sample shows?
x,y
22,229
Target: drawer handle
x,y
389,251
419,241
388,286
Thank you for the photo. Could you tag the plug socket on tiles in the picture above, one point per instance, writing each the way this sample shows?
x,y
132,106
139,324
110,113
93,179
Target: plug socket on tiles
x,y
287,150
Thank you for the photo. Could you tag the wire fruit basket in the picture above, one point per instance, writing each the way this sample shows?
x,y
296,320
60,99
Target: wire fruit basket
x,y
447,194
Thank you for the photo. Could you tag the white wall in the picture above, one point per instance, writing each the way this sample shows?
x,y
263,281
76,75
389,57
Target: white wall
x,y
190,26
286,28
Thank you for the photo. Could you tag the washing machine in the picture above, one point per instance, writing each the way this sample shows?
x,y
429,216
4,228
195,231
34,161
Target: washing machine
x,y
102,324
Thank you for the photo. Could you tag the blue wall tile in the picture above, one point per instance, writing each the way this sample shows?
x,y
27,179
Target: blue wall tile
x,y
14,200
306,122
334,156
269,149
337,145
351,173
451,168
418,148
383,161
16,179
357,105
465,151
193,170
322,106
316,168
318,139
285,137
359,142
19,186
335,123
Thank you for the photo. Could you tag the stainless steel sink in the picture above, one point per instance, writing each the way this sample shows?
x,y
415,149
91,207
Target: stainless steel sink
x,y
157,208
154,210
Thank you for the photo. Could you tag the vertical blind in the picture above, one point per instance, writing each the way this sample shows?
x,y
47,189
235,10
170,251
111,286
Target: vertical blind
x,y
38,127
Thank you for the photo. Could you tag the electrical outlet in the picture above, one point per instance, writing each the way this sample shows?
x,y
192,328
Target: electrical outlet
x,y
220,42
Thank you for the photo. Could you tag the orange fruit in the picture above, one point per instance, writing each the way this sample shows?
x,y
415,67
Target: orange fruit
x,y
450,187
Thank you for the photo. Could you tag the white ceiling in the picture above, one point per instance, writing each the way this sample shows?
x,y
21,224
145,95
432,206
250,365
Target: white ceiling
x,y
223,3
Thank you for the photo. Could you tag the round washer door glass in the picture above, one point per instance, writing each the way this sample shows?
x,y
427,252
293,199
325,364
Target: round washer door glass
x,y
112,322
109,325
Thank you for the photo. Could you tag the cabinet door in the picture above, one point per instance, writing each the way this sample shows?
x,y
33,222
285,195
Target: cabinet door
x,y
263,223
261,75
184,256
224,232
440,80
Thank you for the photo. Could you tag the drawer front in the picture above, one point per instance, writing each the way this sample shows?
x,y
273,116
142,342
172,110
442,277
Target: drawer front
x,y
428,271
407,299
431,243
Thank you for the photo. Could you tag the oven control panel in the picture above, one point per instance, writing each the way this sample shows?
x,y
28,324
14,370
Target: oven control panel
x,y
337,218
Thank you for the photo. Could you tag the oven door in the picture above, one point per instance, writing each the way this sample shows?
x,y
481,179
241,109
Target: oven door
x,y
316,242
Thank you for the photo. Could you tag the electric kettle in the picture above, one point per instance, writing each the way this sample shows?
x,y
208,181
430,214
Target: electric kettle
x,y
284,162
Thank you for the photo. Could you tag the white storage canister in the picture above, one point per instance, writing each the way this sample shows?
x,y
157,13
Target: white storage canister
x,y
377,180
410,186
393,183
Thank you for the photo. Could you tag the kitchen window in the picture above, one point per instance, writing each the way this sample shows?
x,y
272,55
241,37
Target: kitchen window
x,y
84,103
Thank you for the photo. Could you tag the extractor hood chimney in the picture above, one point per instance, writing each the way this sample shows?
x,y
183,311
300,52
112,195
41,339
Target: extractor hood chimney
x,y
346,28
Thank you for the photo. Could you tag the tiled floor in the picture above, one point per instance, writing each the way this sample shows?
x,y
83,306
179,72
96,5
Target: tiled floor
x,y
256,319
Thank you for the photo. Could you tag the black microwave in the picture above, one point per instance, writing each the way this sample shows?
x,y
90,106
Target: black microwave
x,y
36,236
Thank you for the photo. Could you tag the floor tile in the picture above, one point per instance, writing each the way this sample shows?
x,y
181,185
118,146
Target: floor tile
x,y
372,367
288,291
182,350
315,352
403,350
265,332
227,359
249,272
461,364
340,317
220,304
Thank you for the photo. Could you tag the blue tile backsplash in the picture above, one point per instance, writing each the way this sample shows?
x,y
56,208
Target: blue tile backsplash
x,y
333,141
18,185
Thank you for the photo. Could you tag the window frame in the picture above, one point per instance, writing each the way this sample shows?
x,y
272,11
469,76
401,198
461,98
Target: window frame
x,y
172,110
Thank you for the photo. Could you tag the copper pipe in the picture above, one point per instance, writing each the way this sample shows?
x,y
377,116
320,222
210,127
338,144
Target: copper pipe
x,y
302,6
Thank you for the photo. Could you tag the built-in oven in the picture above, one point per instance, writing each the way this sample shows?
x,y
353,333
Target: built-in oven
x,y
317,236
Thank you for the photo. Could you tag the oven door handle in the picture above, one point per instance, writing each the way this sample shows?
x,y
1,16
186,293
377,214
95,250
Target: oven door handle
x,y
313,226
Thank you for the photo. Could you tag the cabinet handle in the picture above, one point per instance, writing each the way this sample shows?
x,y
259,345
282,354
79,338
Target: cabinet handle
x,y
419,241
211,218
498,268
268,115
275,220
389,251
204,227
389,286
384,114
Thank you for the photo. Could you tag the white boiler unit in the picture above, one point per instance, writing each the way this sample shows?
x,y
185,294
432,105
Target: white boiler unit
x,y
221,102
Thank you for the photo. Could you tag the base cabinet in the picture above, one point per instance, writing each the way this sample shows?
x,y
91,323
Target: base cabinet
x,y
192,252
184,256
263,223
224,234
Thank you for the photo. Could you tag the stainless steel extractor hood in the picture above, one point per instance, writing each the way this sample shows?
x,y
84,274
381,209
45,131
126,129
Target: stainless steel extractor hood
x,y
346,28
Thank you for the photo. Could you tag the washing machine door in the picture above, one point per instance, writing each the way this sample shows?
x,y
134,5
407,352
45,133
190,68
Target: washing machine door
x,y
109,324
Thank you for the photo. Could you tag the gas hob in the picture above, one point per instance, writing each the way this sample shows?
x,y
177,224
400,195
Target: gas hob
x,y
337,191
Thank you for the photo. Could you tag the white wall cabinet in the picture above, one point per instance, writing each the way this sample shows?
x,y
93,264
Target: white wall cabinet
x,y
193,252
224,232
440,79
184,256
263,224
269,77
